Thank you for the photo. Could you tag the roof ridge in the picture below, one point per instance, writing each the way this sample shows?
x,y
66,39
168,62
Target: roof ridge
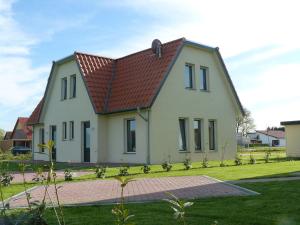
x,y
147,49
94,55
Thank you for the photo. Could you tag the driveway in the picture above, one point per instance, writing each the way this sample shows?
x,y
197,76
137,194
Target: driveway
x,y
141,190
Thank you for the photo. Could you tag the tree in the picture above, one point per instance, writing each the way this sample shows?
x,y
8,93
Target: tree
x,y
2,133
245,123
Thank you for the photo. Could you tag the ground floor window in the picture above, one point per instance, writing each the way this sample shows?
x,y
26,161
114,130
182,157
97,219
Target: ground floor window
x,y
182,134
212,134
41,139
71,130
198,134
131,135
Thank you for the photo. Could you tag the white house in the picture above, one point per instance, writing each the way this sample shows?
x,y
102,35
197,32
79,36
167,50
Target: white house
x,y
275,138
292,129
168,102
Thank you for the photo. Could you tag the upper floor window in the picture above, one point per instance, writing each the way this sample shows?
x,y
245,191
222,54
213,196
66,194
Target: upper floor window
x,y
64,130
182,134
73,86
203,78
198,134
71,130
189,76
212,134
64,87
130,135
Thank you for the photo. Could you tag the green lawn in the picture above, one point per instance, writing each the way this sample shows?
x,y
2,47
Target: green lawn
x,y
278,204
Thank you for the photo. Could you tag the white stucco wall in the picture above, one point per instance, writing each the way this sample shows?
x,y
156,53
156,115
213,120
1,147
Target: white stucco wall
x,y
292,133
78,109
174,101
266,139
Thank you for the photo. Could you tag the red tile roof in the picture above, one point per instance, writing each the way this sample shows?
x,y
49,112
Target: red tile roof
x,y
21,129
273,133
35,115
7,135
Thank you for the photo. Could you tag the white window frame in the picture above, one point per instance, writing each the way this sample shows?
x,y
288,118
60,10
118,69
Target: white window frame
x,y
41,139
180,141
201,134
72,87
64,88
214,137
71,128
191,79
206,77
126,135
64,131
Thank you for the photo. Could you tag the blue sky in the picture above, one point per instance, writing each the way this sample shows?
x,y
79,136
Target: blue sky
x,y
258,40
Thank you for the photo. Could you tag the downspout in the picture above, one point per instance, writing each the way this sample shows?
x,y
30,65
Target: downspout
x,y
148,131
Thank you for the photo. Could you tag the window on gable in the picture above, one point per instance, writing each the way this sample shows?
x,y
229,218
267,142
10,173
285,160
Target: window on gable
x,y
71,130
131,135
198,134
182,134
203,78
189,76
64,130
64,88
73,86
41,139
212,134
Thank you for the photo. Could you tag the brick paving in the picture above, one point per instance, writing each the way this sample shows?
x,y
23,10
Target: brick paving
x,y
18,178
140,190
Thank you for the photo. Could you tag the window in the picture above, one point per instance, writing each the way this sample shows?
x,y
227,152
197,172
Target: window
x,y
64,88
212,134
182,134
203,78
198,134
71,130
73,86
64,130
41,138
130,135
189,76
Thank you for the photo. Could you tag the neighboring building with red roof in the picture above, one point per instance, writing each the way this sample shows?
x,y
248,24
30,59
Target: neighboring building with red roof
x,y
292,129
20,136
275,138
147,107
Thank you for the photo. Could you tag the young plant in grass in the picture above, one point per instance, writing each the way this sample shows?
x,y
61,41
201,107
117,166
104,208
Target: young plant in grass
x,y
179,207
5,176
238,160
267,156
205,161
68,175
122,215
223,151
100,171
252,160
166,166
187,164
146,169
123,171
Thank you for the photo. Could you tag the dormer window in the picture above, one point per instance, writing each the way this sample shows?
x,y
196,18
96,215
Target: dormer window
x,y
189,76
64,87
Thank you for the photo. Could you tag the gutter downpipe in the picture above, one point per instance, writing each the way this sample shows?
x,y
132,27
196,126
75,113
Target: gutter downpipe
x,y
148,131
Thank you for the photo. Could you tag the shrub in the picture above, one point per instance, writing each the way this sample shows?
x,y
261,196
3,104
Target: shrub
x,y
68,175
267,156
205,162
187,164
238,160
258,145
101,171
39,176
6,178
146,169
252,159
123,171
166,166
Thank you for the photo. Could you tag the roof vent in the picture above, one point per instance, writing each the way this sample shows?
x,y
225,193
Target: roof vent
x,y
156,47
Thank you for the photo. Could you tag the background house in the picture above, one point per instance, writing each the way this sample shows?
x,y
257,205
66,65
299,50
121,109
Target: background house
x,y
275,138
292,129
20,136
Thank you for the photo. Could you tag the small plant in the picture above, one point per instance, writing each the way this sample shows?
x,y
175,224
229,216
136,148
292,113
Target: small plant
x,y
179,207
123,171
68,175
121,213
267,156
238,160
187,164
39,175
146,169
166,166
6,178
252,159
101,172
222,164
223,151
205,162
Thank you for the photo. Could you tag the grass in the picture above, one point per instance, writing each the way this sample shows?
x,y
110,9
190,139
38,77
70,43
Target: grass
x,y
278,204
14,189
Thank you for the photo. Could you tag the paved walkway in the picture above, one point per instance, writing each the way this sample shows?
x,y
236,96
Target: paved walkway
x,y
140,190
18,178
264,180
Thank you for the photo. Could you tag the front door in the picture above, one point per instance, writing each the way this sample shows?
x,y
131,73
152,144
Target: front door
x,y
53,138
86,142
